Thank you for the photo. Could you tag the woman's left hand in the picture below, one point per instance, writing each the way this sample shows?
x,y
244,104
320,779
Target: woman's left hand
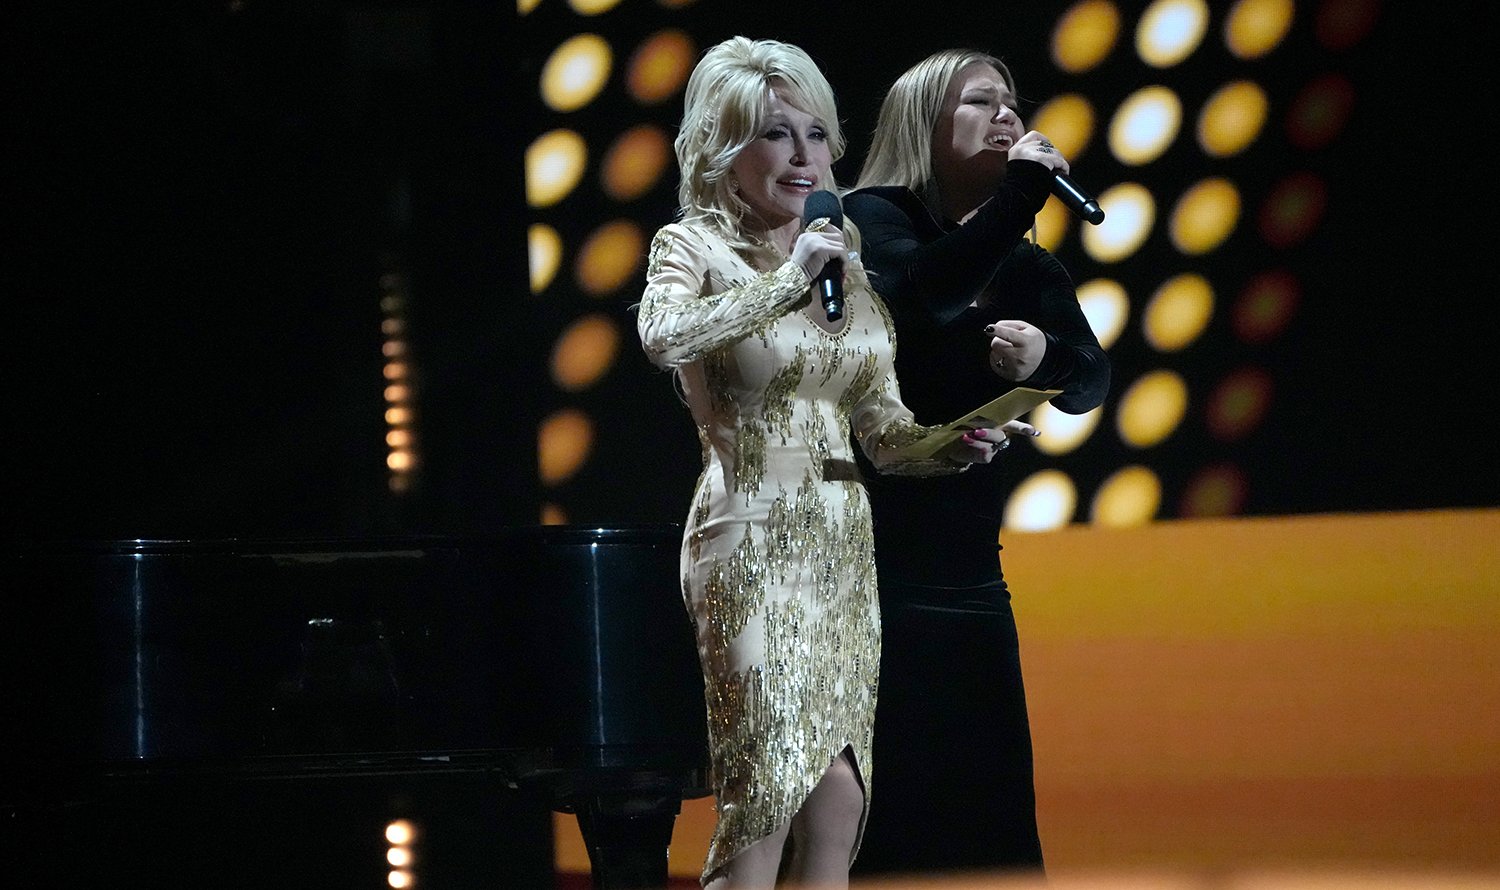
x,y
1016,348
979,446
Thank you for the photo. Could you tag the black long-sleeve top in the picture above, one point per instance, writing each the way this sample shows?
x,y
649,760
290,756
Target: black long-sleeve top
x,y
931,272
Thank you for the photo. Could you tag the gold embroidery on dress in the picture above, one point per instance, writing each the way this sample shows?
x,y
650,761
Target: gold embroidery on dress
x,y
780,392
749,457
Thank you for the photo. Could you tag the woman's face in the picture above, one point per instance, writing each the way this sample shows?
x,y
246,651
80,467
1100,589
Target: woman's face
x,y
783,164
977,126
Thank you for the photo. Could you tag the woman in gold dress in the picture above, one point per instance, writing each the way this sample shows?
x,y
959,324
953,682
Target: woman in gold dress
x,y
777,565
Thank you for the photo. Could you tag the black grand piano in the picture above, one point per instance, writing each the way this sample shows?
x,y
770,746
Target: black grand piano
x,y
252,713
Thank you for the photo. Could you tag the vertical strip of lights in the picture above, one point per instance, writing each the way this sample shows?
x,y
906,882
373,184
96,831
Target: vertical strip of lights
x,y
400,407
401,836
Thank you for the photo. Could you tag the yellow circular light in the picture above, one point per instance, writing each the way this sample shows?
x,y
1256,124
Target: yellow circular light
x,y
1170,31
544,253
1052,225
610,257
1130,212
1128,498
1061,432
635,162
400,461
1255,27
575,72
1178,312
1068,122
1106,306
1152,408
400,832
1232,118
592,7
584,352
525,7
1084,35
563,444
554,164
1042,502
660,66
553,514
1205,216
1145,125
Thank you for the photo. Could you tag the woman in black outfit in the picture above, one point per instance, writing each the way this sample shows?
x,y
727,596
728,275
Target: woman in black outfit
x,y
951,185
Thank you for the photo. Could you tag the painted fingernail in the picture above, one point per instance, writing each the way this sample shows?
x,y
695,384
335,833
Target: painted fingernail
x,y
982,433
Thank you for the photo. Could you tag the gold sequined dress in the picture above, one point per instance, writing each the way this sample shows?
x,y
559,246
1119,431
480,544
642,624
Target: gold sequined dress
x,y
778,570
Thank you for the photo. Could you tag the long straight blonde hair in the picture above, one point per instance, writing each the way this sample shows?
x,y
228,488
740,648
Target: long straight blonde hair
x,y
725,108
901,150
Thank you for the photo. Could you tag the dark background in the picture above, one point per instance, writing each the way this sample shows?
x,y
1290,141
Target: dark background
x,y
204,197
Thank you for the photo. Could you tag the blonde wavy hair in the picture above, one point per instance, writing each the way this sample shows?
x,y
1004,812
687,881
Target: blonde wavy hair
x,y
725,108
901,150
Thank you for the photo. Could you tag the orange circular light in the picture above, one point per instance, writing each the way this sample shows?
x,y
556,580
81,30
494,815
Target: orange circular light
x,y
584,352
563,445
610,257
660,66
635,162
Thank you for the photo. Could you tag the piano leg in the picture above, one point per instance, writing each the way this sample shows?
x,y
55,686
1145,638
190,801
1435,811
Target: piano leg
x,y
627,835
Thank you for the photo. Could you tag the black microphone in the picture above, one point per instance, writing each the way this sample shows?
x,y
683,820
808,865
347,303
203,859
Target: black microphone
x,y
830,281
1083,205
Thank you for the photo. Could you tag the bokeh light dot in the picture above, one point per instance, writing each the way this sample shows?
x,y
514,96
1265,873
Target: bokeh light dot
x,y
1232,118
584,352
1062,432
1293,209
1130,213
660,66
1256,27
1130,497
1068,121
635,162
1265,307
1152,408
610,257
1085,34
544,253
1106,305
1145,125
1170,31
564,441
1044,501
554,164
1217,490
1319,111
1238,404
1341,24
575,72
1205,216
1178,312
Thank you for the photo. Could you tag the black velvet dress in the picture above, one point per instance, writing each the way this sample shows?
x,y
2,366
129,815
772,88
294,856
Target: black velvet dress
x,y
952,739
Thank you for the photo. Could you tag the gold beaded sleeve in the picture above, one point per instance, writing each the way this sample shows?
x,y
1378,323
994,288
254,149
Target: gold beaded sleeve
x,y
882,424
684,315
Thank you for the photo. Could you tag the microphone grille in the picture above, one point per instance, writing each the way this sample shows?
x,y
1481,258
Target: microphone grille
x,y
822,204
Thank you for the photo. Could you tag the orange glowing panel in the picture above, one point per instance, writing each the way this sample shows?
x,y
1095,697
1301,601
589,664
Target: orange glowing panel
x,y
1239,404
610,257
1265,307
1319,111
1218,490
584,352
635,162
660,66
563,445
1293,209
1084,35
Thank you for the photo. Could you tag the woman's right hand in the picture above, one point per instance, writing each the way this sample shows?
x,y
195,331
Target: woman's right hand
x,y
814,249
1036,147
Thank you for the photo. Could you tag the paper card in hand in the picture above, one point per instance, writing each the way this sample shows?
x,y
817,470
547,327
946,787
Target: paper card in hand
x,y
1008,407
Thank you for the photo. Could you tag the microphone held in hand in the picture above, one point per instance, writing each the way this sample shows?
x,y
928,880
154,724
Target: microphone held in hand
x,y
1083,205
830,281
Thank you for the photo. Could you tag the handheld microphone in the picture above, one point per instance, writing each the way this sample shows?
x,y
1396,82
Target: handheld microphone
x,y
1083,205
830,281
